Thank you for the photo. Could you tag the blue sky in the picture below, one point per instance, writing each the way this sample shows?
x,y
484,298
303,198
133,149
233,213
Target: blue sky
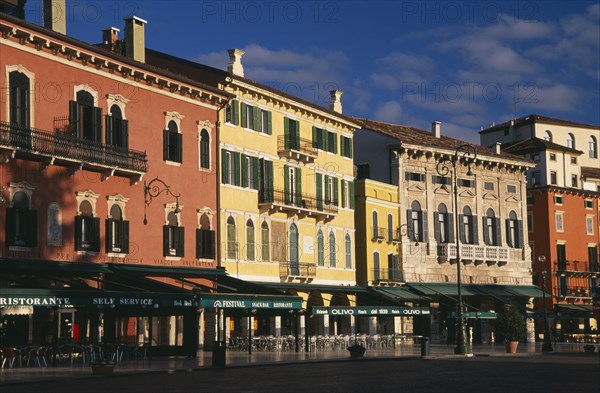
x,y
464,63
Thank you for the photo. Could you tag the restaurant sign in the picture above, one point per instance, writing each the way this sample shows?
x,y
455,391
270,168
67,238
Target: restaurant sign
x,y
250,303
368,310
82,299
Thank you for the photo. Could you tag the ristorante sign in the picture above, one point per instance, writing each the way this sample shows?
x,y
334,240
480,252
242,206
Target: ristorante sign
x,y
250,303
83,299
367,310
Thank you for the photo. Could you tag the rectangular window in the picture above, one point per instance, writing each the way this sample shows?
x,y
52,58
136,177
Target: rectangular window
x,y
346,146
232,113
331,142
441,180
530,200
117,236
413,176
558,199
552,156
535,157
589,204
173,241
488,186
589,225
593,258
573,160
536,178
172,146
530,222
511,189
265,122
553,178
21,227
87,233
205,243
573,180
559,222
230,167
466,183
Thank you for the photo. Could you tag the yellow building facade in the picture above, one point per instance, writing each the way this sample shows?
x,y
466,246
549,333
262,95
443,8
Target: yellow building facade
x,y
287,196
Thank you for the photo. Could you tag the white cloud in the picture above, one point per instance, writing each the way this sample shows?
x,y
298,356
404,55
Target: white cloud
x,y
558,97
389,112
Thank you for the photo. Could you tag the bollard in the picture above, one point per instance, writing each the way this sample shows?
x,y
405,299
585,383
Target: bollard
x,y
424,346
218,354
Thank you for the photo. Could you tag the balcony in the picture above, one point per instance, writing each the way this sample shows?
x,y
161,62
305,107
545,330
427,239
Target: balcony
x,y
387,276
576,294
379,233
471,253
297,271
290,203
298,149
52,148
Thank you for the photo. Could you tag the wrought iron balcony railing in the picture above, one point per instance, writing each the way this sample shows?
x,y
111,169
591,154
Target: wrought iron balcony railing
x,y
297,269
299,149
378,233
303,203
67,148
387,275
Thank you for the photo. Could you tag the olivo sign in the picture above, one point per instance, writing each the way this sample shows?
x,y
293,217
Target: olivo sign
x,y
367,310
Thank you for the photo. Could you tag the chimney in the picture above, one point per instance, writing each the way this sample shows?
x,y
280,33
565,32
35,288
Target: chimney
x,y
55,16
436,129
110,37
135,46
335,100
497,147
235,66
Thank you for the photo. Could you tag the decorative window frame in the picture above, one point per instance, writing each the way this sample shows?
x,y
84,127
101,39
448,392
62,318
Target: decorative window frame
x,y
32,90
209,127
88,89
118,100
209,213
87,195
173,116
118,200
170,208
24,187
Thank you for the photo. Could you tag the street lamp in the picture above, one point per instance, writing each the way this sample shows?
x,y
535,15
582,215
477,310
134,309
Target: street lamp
x,y
152,189
463,155
547,345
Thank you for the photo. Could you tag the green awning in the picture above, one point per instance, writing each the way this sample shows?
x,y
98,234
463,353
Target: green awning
x,y
577,308
397,294
506,291
37,297
372,310
249,301
52,267
168,271
436,289
316,287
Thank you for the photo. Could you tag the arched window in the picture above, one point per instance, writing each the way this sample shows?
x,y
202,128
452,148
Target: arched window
x,y
376,267
417,222
294,251
571,140
204,149
250,242
117,231
231,238
548,136
491,228
172,143
21,222
444,230
265,242
375,226
514,230
19,99
320,248
348,247
593,147
468,224
117,128
205,238
85,117
173,236
332,250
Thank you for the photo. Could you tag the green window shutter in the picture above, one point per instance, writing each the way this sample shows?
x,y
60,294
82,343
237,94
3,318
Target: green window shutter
x,y
236,169
314,136
255,174
269,168
235,112
270,127
257,119
244,116
298,187
327,191
286,132
319,188
350,153
325,140
224,167
335,191
342,151
344,193
351,189
297,139
335,143
286,186
244,170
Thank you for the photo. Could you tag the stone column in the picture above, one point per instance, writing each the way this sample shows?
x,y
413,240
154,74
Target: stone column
x,y
372,325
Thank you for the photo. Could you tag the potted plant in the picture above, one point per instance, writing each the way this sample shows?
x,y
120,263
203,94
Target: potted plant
x,y
102,367
510,324
356,351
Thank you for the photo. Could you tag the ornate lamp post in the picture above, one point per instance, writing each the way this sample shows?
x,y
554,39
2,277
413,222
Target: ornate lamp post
x,y
547,345
152,189
463,155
